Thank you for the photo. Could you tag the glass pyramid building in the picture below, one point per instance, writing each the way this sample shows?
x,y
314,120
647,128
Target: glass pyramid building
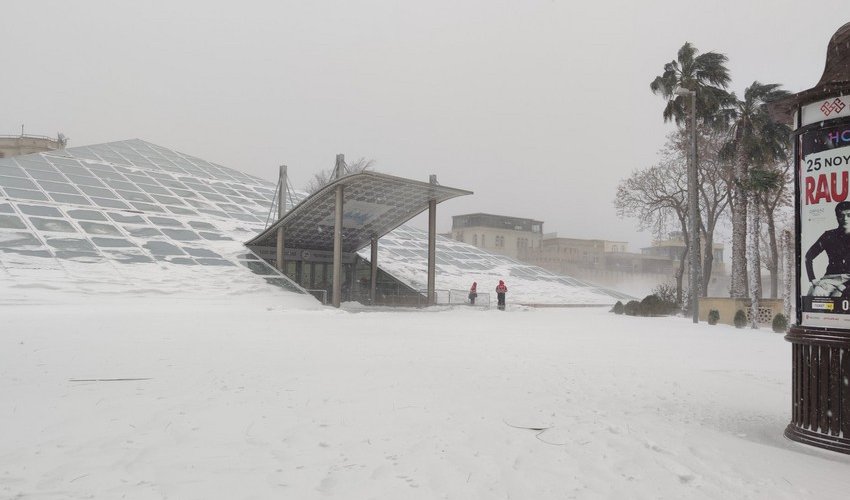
x,y
130,214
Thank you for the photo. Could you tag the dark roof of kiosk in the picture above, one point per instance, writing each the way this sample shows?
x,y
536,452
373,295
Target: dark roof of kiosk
x,y
374,204
835,78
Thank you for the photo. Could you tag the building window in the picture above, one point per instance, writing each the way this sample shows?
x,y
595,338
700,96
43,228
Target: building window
x,y
483,244
475,240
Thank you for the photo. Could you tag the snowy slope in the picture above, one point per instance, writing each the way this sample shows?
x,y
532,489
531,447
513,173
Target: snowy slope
x,y
132,372
251,396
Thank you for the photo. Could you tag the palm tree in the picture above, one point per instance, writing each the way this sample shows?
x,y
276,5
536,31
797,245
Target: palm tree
x,y
755,139
707,75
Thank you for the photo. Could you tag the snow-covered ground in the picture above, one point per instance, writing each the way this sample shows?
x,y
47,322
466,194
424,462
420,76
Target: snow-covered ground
x,y
264,394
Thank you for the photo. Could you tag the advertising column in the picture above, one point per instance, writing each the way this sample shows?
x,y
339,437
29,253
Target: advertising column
x,y
823,175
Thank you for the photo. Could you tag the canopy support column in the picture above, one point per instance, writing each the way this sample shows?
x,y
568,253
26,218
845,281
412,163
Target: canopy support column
x,y
432,246
281,210
373,287
336,298
337,264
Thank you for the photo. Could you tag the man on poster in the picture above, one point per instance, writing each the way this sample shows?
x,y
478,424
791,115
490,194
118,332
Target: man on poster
x,y
836,243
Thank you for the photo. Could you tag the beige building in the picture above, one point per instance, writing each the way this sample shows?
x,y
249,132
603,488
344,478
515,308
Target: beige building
x,y
571,255
510,236
15,145
604,262
672,249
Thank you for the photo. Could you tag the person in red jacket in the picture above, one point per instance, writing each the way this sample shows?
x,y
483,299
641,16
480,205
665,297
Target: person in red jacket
x,y
473,293
501,290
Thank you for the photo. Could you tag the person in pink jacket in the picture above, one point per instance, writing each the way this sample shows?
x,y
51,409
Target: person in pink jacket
x,y
501,290
473,293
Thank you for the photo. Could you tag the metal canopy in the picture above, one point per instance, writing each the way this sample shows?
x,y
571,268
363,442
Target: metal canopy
x,y
374,204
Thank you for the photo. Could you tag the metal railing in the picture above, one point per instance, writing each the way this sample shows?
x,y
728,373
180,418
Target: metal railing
x,y
408,298
28,136
462,297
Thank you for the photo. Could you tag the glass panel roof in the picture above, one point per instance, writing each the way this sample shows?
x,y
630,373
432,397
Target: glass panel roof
x,y
133,203
58,194
374,205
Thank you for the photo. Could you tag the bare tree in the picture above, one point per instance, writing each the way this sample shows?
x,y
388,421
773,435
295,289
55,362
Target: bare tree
x,y
773,202
657,197
713,175
324,177
762,181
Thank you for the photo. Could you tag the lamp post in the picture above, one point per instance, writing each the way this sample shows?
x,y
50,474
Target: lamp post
x,y
693,277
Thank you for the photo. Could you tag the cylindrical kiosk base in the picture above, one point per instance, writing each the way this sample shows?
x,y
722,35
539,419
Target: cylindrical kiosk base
x,y
820,409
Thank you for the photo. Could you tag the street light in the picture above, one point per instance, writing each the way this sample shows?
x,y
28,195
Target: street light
x,y
693,277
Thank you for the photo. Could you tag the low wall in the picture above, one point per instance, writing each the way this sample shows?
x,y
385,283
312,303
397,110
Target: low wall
x,y
726,306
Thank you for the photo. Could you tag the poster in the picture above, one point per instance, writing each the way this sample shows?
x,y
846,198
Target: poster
x,y
824,180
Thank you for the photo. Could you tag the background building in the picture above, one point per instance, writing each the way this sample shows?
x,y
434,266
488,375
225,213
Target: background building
x,y
607,263
511,236
16,145
602,262
672,248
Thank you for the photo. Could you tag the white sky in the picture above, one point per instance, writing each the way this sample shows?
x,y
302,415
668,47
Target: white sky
x,y
540,107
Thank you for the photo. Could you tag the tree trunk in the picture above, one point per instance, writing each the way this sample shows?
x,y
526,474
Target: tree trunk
x,y
789,268
707,262
773,262
680,272
755,265
679,276
738,205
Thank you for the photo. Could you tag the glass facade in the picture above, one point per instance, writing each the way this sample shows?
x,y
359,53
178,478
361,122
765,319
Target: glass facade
x,y
133,202
130,202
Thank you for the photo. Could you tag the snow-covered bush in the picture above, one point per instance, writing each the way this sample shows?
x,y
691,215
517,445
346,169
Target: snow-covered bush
x,y
665,292
653,305
713,317
618,308
740,319
780,323
632,308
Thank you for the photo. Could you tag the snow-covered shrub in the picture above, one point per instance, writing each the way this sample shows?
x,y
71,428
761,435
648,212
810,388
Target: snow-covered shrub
x,y
618,308
740,319
713,317
652,305
632,308
665,292
780,323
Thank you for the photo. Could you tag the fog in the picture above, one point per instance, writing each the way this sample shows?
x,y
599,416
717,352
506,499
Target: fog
x,y
539,107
